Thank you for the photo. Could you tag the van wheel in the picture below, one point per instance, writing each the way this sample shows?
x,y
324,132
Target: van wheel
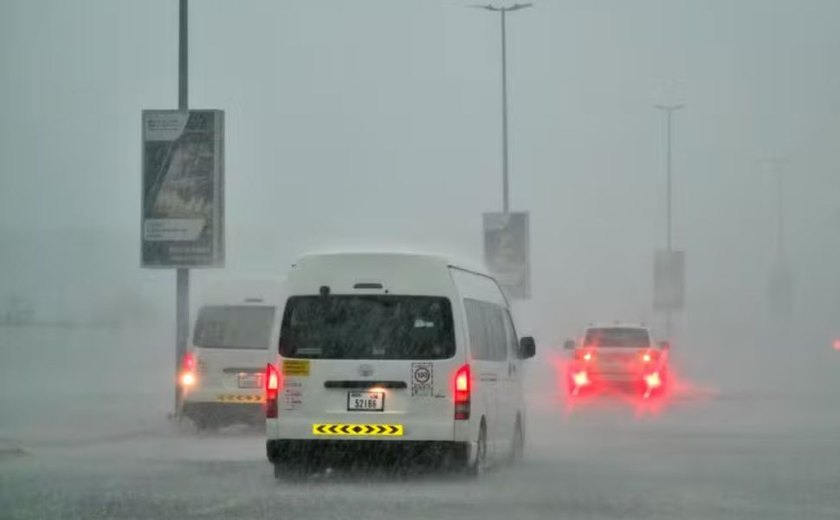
x,y
517,447
479,467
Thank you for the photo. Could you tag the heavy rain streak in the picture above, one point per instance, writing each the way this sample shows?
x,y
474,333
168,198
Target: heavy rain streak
x,y
404,259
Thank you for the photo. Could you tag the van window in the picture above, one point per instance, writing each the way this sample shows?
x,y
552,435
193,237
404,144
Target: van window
x,y
510,336
478,337
234,326
487,330
367,327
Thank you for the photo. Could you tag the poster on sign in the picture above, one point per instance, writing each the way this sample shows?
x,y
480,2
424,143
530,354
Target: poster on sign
x,y
507,251
182,222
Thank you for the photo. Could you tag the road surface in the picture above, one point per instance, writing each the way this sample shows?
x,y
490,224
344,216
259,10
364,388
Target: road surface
x,y
759,454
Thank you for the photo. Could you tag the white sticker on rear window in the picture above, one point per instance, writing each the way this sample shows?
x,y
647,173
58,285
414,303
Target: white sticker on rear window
x,y
422,379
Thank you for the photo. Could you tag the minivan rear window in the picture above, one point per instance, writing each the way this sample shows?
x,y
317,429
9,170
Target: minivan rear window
x,y
234,326
367,327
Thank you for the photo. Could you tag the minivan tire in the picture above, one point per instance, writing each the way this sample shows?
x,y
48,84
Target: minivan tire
x,y
517,447
479,467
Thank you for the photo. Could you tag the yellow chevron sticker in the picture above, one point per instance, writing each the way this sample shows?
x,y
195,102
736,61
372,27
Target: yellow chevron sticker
x,y
238,398
359,430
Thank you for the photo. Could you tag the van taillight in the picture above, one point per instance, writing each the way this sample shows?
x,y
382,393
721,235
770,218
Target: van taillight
x,y
187,377
463,385
272,389
188,363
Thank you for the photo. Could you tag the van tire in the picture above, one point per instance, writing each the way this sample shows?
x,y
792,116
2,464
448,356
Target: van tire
x,y
517,447
479,467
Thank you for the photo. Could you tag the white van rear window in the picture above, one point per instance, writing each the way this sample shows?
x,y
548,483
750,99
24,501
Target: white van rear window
x,y
234,326
367,327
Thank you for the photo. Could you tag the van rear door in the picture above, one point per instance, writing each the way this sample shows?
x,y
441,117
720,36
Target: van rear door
x,y
230,343
354,360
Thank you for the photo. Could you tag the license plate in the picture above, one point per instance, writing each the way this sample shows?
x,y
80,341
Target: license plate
x,y
251,380
365,401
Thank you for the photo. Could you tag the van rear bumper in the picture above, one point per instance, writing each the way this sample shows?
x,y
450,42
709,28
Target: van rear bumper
x,y
403,453
214,413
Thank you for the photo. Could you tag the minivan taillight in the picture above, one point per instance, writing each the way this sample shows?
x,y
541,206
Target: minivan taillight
x,y
187,377
272,389
463,384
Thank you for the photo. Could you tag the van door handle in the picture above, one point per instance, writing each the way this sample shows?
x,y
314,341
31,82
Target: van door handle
x,y
487,377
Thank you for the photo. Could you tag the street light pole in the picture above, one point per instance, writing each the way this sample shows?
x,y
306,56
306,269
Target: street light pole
x,y
182,274
669,113
503,15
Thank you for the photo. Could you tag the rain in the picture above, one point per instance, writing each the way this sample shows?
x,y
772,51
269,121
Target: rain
x,y
624,131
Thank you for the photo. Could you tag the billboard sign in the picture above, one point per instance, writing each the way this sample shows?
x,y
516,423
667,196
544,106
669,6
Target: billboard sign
x,y
507,251
183,189
669,280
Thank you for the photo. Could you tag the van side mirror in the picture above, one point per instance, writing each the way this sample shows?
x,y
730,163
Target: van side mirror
x,y
569,344
527,347
665,345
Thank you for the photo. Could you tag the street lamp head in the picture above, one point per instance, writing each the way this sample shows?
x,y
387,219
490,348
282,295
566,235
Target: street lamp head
x,y
516,7
668,108
490,7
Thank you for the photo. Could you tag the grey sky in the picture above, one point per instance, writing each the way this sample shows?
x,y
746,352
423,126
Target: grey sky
x,y
376,122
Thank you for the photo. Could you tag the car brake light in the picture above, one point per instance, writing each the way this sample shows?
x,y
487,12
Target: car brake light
x,y
580,378
653,380
462,393
646,357
587,356
272,389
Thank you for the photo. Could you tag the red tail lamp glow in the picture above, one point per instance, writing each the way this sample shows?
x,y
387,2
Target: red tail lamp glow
x,y
587,356
646,357
462,393
273,382
187,378
653,380
580,379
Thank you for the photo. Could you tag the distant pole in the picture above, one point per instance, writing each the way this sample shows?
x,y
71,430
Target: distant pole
x,y
669,116
780,209
505,163
182,296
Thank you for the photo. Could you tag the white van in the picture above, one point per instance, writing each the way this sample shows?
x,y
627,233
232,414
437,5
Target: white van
x,y
399,356
222,372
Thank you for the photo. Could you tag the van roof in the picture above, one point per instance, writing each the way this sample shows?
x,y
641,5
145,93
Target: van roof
x,y
392,272
397,256
254,291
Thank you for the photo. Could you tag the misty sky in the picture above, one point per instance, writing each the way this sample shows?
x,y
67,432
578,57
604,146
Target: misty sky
x,y
376,123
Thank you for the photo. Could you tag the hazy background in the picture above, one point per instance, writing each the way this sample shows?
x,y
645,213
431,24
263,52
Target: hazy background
x,y
376,123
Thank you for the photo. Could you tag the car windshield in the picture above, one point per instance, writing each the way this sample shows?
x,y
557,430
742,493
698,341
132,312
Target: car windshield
x,y
367,327
234,326
617,337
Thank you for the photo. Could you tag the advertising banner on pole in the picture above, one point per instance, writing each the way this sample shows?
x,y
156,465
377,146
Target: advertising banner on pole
x,y
669,280
183,189
507,251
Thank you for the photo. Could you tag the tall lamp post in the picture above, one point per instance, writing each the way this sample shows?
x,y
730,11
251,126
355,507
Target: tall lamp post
x,y
669,116
503,11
